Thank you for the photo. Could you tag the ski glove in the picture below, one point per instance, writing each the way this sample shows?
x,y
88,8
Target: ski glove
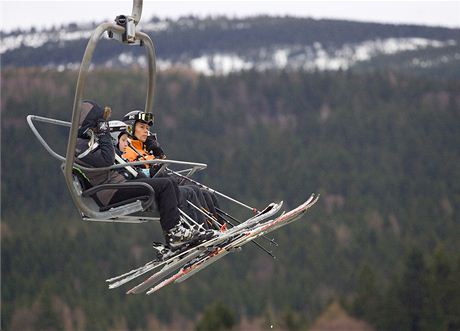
x,y
152,145
154,169
102,127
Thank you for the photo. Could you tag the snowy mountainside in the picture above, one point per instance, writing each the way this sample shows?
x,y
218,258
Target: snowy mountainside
x,y
222,45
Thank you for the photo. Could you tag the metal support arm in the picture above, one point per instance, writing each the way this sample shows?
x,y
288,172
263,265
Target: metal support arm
x,y
84,68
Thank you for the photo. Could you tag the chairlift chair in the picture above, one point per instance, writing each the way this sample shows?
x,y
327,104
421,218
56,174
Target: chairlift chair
x,y
134,210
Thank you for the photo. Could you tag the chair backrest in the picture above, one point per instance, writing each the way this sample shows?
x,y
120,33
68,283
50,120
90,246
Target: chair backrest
x,y
129,211
82,184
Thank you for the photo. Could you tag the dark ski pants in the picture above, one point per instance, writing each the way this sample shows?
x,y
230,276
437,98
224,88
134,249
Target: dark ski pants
x,y
193,194
166,196
207,200
188,194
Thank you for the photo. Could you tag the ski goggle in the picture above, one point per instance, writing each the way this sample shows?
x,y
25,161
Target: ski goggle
x,y
145,117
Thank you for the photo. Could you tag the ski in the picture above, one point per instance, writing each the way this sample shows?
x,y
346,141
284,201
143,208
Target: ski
x,y
181,254
219,252
162,252
198,250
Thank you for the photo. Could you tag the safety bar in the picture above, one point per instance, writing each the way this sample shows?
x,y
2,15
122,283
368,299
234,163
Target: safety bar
x,y
30,118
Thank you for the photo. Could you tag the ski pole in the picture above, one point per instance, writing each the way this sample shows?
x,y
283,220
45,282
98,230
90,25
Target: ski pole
x,y
270,240
254,210
256,243
207,213
204,212
190,219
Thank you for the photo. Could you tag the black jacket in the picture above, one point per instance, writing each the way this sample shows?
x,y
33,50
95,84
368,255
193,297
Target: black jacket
x,y
103,155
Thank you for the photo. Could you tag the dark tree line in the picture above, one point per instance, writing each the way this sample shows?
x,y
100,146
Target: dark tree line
x,y
381,148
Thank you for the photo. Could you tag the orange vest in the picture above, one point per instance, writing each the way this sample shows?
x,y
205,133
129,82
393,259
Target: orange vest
x,y
139,154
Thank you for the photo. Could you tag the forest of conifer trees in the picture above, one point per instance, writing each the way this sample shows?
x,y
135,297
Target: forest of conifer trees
x,y
381,148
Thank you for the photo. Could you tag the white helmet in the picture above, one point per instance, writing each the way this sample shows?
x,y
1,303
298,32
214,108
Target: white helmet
x,y
116,128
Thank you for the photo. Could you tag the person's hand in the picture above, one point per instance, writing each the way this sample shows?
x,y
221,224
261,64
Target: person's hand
x,y
152,145
151,142
154,169
107,113
102,127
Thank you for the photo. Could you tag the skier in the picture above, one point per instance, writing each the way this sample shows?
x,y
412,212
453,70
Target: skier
x,y
95,149
143,145
121,143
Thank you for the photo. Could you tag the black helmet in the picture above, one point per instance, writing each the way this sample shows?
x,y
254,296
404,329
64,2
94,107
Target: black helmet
x,y
134,116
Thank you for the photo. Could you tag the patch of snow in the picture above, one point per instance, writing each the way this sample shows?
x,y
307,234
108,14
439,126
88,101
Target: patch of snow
x,y
30,40
201,64
163,64
67,36
226,63
142,61
368,49
126,59
281,57
219,63
427,63
38,39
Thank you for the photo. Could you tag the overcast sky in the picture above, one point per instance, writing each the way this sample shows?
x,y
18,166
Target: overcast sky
x,y
25,14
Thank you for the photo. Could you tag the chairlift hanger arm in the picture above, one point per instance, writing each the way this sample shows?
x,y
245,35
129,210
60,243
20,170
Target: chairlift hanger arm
x,y
84,68
137,11
82,78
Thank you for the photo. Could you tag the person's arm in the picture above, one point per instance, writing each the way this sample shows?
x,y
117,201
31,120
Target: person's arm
x,y
106,150
104,155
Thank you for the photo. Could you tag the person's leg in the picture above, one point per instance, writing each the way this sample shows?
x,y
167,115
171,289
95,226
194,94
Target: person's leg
x,y
174,182
190,194
164,194
183,194
199,195
209,201
175,234
216,205
214,200
206,201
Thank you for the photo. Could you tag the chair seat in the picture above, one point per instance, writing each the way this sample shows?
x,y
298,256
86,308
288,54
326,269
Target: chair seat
x,y
139,207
